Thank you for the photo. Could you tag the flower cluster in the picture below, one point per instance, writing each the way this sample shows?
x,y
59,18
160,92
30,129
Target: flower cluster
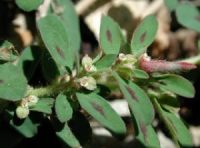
x,y
127,60
87,64
22,110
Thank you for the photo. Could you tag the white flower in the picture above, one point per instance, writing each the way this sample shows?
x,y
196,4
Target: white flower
x,y
87,63
22,112
88,82
32,100
122,57
86,60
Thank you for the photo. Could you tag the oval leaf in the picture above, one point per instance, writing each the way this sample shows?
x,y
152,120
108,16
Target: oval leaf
x,y
178,85
182,133
189,16
63,108
171,4
55,38
28,5
71,23
137,98
99,109
140,74
110,36
144,35
44,105
12,82
106,61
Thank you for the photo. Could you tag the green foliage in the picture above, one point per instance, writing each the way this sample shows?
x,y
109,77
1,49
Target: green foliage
x,y
178,85
63,109
9,89
99,109
110,36
44,105
68,137
75,89
29,5
144,35
56,39
171,4
137,73
188,16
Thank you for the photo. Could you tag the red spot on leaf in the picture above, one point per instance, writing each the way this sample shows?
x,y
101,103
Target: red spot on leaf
x,y
198,18
132,93
143,36
60,52
143,129
98,108
109,35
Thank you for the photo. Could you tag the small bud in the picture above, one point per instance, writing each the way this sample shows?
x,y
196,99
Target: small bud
x,y
88,82
32,100
22,112
64,79
129,66
122,57
90,68
86,60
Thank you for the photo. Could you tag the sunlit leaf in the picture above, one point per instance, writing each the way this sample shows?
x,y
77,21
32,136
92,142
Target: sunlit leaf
x,y
99,109
144,35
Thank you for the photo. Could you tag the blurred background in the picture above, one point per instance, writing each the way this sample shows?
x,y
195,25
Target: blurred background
x,y
173,42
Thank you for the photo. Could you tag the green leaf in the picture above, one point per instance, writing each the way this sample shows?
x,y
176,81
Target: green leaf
x,y
26,128
106,61
152,138
63,108
178,85
144,35
110,36
182,133
56,40
140,74
44,105
68,137
28,5
171,4
71,23
189,16
29,60
137,99
7,52
12,83
99,109
49,67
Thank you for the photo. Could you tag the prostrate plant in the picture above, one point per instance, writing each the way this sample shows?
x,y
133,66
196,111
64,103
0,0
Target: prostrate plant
x,y
77,88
